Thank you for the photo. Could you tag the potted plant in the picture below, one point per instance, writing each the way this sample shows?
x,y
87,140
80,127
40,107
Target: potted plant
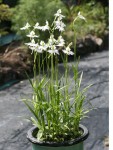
x,y
57,110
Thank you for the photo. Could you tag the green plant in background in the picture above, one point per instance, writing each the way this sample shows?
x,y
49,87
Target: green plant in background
x,y
5,15
57,110
33,10
96,15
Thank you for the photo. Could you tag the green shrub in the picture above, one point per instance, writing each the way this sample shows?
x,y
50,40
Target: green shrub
x,y
33,10
5,15
96,16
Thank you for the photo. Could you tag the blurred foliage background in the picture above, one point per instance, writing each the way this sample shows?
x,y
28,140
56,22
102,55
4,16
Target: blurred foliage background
x,y
15,13
5,18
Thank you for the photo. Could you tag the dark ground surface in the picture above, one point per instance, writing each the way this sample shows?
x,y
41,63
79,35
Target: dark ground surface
x,y
13,126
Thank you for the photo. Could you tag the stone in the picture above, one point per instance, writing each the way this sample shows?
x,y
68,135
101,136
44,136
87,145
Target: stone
x,y
90,44
13,64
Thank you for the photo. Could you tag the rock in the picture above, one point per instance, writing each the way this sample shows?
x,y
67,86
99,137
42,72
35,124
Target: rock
x,y
106,141
89,44
6,74
13,127
98,41
105,40
13,64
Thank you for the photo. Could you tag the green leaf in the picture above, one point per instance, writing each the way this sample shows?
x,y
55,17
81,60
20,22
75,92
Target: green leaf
x,y
36,123
86,88
39,134
61,88
31,109
80,80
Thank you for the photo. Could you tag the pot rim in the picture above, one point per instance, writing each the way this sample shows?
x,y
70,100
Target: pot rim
x,y
81,138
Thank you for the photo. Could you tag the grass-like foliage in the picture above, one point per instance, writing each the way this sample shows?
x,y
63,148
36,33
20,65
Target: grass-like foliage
x,y
57,110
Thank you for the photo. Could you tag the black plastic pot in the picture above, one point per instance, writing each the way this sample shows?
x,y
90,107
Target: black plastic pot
x,y
75,144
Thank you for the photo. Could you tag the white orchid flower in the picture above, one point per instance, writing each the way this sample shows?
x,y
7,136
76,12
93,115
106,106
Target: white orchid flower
x,y
60,41
32,48
32,43
80,16
32,35
39,49
36,26
59,25
26,26
53,50
59,15
58,12
44,28
43,45
68,50
51,41
35,46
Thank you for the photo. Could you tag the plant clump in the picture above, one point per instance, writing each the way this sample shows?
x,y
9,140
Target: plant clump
x,y
57,110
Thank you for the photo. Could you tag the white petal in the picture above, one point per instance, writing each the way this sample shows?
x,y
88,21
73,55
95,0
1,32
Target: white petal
x,y
26,26
32,34
53,51
31,44
70,53
36,26
78,13
80,16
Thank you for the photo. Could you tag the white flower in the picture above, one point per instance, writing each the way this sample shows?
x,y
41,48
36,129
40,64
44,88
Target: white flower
x,y
32,43
53,50
68,50
59,15
59,25
51,40
58,12
44,28
32,35
34,46
43,46
80,16
26,26
39,49
60,41
36,26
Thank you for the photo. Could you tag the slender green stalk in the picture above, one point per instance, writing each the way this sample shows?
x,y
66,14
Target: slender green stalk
x,y
52,68
34,66
74,44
